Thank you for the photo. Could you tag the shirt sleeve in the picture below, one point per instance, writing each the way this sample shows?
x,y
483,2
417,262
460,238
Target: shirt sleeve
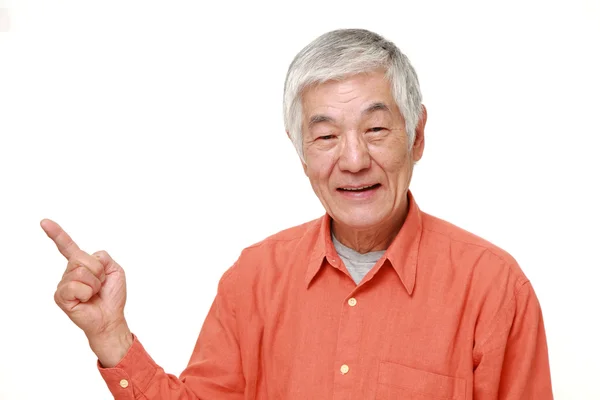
x,y
513,362
214,370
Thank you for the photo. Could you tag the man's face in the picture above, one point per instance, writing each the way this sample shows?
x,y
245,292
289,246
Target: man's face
x,y
356,150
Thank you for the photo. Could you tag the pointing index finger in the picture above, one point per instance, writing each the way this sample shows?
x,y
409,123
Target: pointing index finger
x,y
63,241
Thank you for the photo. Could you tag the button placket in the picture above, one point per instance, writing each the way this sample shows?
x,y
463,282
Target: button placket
x,y
349,334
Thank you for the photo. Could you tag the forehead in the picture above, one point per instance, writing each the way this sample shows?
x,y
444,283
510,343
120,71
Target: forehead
x,y
350,93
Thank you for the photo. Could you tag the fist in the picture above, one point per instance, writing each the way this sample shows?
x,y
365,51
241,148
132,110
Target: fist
x,y
92,290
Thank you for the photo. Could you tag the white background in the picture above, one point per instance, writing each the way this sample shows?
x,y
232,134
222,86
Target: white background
x,y
153,129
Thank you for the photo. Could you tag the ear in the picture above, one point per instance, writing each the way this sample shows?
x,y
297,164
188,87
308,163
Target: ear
x,y
305,168
419,144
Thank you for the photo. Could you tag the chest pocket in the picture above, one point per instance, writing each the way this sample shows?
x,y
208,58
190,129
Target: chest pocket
x,y
396,381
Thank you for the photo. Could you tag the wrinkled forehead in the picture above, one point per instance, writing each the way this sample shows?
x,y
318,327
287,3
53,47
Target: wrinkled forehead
x,y
357,94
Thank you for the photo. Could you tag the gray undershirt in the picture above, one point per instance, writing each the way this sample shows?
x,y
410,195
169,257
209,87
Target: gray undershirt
x,y
357,264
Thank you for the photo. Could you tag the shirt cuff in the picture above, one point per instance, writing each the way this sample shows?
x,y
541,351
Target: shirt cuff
x,y
131,376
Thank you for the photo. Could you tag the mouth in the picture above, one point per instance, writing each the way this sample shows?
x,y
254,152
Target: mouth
x,y
359,189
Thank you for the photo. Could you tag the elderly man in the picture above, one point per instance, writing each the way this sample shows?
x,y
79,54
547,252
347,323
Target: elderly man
x,y
375,300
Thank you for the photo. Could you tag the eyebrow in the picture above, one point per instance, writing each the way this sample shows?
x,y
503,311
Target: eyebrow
x,y
379,106
319,118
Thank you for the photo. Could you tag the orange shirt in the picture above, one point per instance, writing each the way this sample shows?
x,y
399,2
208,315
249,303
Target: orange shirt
x,y
442,315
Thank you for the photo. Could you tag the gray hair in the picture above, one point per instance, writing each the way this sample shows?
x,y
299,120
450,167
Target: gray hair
x,y
341,53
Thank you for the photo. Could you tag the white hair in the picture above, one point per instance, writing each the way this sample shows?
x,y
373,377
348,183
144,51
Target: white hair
x,y
342,53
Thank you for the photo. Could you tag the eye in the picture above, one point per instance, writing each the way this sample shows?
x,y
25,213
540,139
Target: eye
x,y
326,137
376,129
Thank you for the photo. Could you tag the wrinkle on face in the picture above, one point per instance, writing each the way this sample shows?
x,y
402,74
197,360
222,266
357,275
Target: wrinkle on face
x,y
343,149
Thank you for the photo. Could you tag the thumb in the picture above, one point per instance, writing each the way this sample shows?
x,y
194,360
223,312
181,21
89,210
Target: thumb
x,y
103,257
106,260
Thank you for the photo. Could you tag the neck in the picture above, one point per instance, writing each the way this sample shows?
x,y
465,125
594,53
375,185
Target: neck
x,y
370,239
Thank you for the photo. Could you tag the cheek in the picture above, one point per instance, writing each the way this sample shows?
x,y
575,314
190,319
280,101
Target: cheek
x,y
394,163
391,151
319,167
400,163
318,175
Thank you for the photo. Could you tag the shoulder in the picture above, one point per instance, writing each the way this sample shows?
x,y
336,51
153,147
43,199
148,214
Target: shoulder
x,y
439,229
495,286
274,251
286,239
461,244
291,234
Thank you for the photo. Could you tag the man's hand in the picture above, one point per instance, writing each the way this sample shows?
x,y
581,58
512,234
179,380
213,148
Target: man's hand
x,y
92,293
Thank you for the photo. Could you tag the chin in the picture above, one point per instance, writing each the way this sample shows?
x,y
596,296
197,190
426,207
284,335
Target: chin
x,y
360,219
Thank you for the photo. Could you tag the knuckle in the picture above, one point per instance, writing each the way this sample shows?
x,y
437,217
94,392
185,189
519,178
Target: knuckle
x,y
86,293
62,292
74,262
79,273
70,286
84,263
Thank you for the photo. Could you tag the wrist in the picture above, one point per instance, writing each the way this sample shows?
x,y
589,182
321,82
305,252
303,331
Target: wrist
x,y
111,346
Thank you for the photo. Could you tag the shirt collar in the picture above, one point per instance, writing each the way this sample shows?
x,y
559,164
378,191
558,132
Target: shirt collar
x,y
402,253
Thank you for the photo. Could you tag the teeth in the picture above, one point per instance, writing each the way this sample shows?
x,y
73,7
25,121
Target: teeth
x,y
356,189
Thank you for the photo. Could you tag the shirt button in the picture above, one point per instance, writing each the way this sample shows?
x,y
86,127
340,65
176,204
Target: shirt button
x,y
124,383
344,369
352,301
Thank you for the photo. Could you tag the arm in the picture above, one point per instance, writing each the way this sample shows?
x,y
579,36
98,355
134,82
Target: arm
x,y
214,370
512,364
92,292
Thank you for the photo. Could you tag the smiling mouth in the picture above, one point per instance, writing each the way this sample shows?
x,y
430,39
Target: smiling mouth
x,y
360,189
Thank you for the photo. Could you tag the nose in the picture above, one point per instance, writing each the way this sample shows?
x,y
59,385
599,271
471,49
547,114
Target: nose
x,y
354,154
